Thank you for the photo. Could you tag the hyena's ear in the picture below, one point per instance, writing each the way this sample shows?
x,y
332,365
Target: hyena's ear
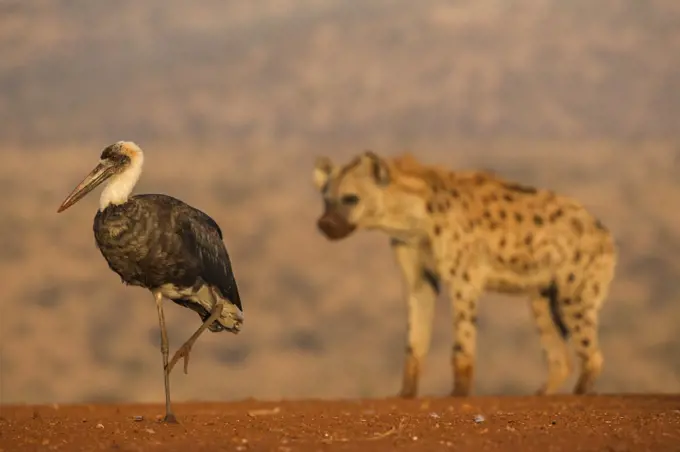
x,y
378,167
323,168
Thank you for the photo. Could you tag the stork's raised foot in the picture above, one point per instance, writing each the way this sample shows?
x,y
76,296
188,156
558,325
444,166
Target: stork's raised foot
x,y
185,349
182,352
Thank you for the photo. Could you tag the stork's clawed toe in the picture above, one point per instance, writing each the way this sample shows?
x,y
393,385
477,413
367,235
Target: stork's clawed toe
x,y
182,352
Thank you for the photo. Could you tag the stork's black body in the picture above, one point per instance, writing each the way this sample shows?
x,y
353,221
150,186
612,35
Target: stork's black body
x,y
161,243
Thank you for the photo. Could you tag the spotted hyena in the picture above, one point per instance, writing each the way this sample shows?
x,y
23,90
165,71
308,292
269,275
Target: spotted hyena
x,y
471,232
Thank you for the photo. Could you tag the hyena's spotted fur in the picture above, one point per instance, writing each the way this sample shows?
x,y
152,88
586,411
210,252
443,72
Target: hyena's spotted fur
x,y
470,232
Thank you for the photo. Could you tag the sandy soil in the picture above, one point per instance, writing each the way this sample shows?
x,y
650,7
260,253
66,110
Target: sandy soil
x,y
602,423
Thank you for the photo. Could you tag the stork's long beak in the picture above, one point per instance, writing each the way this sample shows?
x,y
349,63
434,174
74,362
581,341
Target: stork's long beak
x,y
99,174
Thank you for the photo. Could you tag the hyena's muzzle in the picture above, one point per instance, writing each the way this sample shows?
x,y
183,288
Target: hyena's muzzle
x,y
334,225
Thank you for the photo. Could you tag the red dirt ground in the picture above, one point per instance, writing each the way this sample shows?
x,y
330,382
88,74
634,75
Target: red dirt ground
x,y
560,423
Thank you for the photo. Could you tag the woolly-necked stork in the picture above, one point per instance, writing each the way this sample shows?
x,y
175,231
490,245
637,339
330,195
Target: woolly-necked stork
x,y
165,245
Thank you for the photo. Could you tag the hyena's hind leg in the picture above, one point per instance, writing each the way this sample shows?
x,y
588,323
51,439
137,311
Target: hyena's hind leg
x,y
553,334
582,319
580,303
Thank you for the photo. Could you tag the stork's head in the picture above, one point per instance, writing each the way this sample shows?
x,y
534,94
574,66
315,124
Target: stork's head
x,y
121,164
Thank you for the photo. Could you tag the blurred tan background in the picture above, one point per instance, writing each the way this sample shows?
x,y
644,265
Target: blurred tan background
x,y
233,99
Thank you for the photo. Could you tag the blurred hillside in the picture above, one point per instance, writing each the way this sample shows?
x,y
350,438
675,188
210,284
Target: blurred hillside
x,y
309,71
232,101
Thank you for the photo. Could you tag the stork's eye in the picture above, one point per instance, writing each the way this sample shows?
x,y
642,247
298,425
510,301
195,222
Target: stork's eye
x,y
349,200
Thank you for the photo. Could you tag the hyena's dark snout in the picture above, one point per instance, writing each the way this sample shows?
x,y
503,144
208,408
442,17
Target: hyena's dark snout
x,y
334,226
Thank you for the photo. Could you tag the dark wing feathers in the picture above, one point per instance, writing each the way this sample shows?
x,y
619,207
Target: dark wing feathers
x,y
199,244
203,238
203,217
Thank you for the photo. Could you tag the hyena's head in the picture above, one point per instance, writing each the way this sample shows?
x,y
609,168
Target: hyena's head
x,y
366,193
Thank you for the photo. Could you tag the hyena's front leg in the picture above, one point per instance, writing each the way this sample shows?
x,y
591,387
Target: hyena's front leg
x,y
464,291
421,301
422,286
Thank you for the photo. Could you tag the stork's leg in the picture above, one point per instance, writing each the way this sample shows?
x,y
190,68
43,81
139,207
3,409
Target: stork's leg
x,y
185,349
165,348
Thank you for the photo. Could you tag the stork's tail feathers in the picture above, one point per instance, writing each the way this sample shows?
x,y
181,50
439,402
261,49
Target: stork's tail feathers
x,y
202,302
230,320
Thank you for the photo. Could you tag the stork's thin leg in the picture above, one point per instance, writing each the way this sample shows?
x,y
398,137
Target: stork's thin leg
x,y
185,349
165,348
